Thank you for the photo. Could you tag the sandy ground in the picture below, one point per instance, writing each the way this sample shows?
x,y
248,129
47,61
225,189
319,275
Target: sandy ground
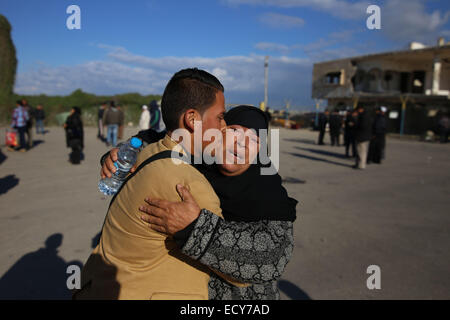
x,y
394,215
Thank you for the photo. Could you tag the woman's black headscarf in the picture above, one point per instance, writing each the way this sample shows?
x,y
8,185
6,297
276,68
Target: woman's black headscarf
x,y
251,196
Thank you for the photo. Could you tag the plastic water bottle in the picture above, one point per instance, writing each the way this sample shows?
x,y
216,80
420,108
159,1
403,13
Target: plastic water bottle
x,y
126,158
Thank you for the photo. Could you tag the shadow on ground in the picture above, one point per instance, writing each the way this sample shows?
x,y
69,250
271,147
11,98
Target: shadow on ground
x,y
7,183
38,275
319,159
2,157
323,152
96,240
292,180
292,291
305,141
37,142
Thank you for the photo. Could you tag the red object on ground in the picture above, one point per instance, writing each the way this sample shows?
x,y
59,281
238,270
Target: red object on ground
x,y
11,138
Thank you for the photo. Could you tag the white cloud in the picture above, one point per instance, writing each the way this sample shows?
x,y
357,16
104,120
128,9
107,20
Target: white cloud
x,y
274,47
409,21
331,47
338,8
123,71
276,20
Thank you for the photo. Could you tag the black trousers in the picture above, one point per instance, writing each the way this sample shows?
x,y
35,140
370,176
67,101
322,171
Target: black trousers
x,y
443,135
321,135
334,137
349,141
22,143
376,148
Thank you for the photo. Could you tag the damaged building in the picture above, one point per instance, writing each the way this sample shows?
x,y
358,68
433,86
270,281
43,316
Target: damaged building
x,y
413,84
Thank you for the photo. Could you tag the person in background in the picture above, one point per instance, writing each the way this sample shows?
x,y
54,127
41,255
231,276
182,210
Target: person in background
x,y
40,117
363,135
75,135
112,119
162,125
20,118
155,116
443,125
349,133
335,127
101,111
378,142
29,130
323,120
121,124
144,121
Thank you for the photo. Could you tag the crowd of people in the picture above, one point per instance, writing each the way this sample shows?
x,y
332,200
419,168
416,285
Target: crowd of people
x,y
151,118
111,121
364,136
24,116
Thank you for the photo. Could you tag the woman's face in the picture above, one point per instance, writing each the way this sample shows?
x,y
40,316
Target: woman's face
x,y
240,148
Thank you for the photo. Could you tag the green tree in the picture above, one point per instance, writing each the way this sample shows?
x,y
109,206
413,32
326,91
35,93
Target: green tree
x,y
8,65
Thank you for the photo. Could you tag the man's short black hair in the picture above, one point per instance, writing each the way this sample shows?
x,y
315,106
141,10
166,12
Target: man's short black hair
x,y
19,102
188,89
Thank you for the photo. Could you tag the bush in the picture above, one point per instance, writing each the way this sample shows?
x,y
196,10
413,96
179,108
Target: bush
x,y
131,104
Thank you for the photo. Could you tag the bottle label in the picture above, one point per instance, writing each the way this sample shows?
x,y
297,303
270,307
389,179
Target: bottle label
x,y
121,175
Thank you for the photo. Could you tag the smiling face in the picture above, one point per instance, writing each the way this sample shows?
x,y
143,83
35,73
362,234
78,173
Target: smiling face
x,y
241,147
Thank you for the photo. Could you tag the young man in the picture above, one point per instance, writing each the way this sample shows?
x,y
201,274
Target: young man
x,y
131,260
112,119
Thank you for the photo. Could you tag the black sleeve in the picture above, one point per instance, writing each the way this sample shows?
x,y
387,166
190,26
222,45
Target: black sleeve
x,y
183,235
250,252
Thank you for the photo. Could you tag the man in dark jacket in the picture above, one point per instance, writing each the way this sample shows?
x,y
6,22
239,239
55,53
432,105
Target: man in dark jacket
x,y
363,132
335,127
323,120
443,128
378,142
349,132
101,111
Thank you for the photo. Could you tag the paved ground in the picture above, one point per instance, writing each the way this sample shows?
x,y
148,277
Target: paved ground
x,y
395,216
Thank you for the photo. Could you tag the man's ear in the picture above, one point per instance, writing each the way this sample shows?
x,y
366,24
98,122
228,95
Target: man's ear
x,y
189,117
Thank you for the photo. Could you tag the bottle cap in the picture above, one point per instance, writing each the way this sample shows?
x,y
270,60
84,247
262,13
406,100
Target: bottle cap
x,y
135,142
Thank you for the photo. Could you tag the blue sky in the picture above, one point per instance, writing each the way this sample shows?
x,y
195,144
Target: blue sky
x,y
135,46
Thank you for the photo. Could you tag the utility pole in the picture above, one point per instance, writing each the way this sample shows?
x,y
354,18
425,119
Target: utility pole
x,y
266,81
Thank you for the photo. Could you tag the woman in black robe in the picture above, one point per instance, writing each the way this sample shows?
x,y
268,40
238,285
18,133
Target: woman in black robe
x,y
75,135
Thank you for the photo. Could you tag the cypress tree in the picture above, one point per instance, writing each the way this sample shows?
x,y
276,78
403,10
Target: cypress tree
x,y
8,65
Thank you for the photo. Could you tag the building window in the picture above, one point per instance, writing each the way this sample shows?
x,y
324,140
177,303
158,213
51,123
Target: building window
x,y
405,81
333,78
